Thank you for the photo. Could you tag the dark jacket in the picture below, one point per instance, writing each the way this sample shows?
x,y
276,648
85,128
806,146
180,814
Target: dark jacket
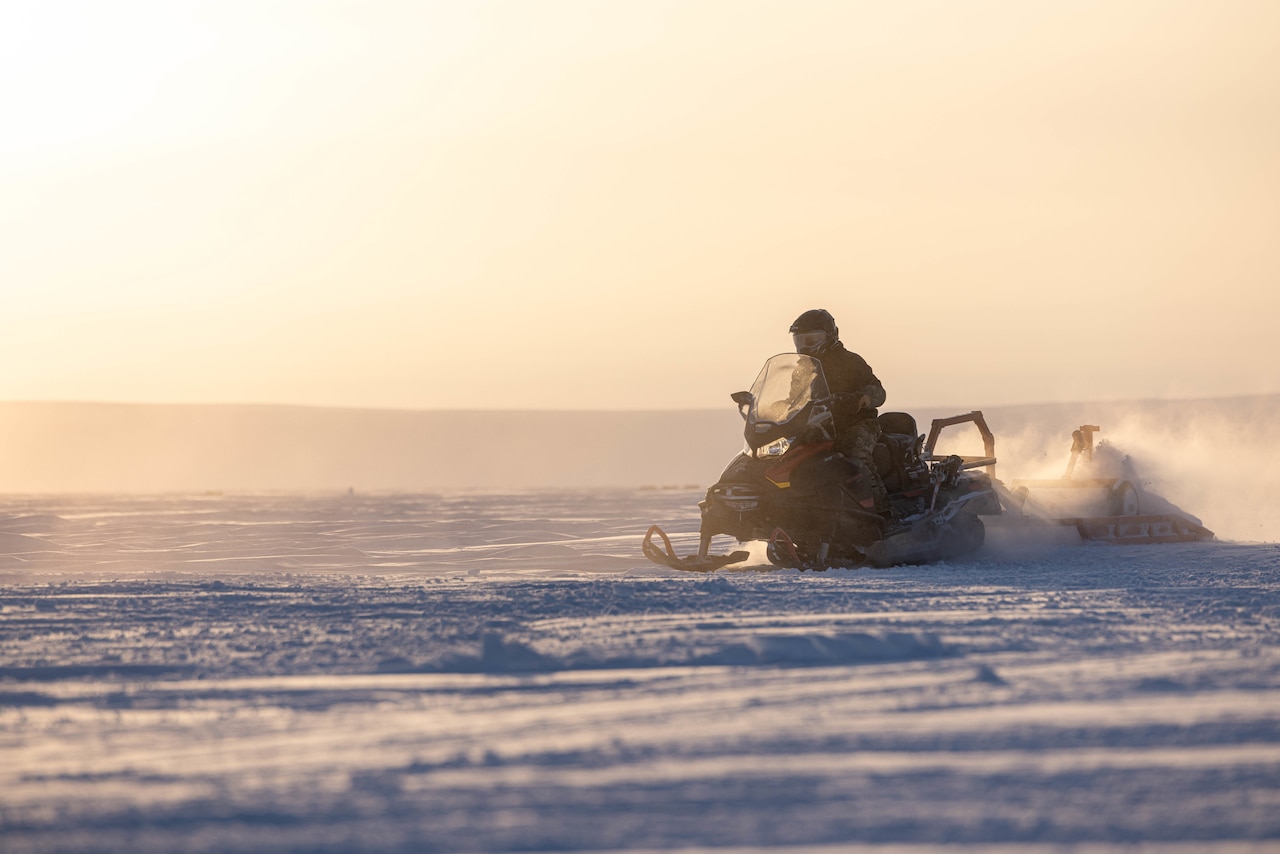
x,y
849,377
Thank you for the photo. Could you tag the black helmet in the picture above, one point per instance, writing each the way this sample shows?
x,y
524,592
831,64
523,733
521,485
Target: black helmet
x,y
816,320
814,332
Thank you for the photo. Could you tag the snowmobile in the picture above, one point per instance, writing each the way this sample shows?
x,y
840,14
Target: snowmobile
x,y
814,507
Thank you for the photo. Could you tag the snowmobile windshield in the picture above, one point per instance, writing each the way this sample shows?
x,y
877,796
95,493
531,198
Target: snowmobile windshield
x,y
786,387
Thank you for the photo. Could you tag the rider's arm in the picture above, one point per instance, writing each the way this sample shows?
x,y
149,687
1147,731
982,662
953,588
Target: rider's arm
x,y
872,395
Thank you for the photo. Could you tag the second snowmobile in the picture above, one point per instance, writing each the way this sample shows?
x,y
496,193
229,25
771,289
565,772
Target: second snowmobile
x,y
813,506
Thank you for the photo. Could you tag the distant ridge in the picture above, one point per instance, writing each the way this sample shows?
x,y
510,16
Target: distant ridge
x,y
107,447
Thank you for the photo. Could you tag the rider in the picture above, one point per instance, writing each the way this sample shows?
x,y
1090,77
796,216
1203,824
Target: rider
x,y
856,390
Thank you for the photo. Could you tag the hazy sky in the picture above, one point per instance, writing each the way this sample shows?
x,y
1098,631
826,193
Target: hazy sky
x,y
616,204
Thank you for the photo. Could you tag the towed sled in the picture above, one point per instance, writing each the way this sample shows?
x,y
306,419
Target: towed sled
x,y
813,507
1098,498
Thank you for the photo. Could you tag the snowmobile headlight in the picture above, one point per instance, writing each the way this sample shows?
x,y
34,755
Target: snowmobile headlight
x,y
776,448
739,499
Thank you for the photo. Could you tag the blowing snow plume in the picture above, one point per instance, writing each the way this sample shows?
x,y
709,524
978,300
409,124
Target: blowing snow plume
x,y
1223,464
1213,460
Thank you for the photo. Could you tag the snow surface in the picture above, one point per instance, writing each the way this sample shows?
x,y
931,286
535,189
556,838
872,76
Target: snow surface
x,y
485,672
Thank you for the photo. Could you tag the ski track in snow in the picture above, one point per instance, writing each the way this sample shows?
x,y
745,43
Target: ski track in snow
x,y
505,672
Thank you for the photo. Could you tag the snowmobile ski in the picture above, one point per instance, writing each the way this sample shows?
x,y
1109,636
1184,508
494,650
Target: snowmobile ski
x,y
666,555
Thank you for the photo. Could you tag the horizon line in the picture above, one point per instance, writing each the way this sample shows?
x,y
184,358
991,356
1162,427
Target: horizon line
x,y
598,410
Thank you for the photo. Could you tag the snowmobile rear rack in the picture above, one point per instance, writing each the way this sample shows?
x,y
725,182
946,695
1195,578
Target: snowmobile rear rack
x,y
987,460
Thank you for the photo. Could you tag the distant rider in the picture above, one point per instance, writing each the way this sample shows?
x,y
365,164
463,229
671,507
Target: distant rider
x,y
856,390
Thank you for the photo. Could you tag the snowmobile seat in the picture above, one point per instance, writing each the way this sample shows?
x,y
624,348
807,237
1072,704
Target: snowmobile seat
x,y
883,457
897,450
898,422
893,456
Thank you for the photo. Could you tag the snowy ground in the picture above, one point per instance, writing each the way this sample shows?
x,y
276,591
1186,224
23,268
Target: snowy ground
x,y
504,672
